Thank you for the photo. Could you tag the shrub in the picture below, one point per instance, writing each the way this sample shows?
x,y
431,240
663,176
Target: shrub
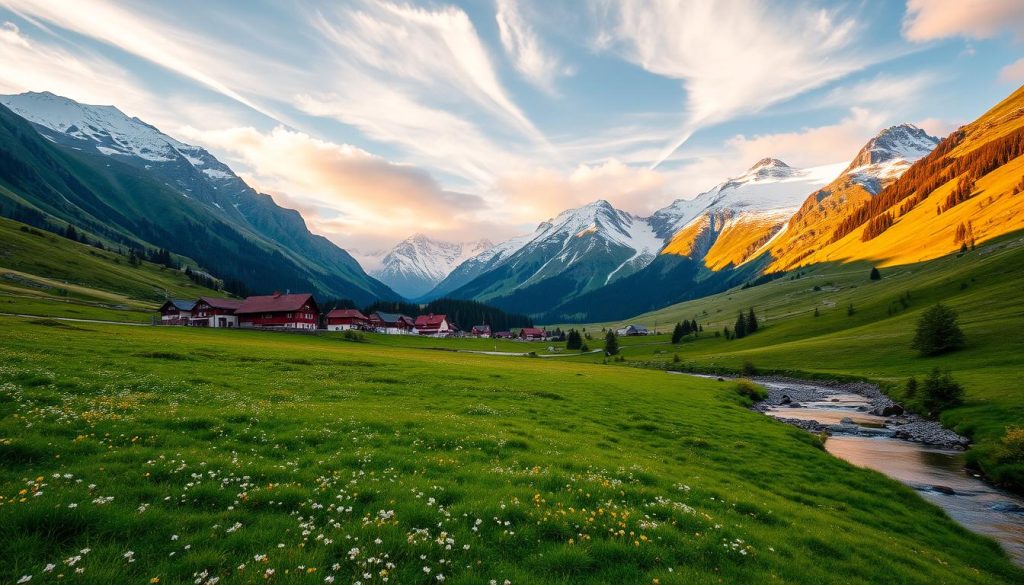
x,y
750,390
749,369
875,274
938,331
611,343
939,392
1011,446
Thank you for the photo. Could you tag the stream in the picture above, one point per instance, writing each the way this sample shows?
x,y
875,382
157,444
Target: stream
x,y
860,435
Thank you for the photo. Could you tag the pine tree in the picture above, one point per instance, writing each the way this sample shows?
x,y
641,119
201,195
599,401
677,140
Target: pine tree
x,y
726,332
71,233
573,340
816,312
938,331
677,334
741,326
875,274
693,325
611,343
752,324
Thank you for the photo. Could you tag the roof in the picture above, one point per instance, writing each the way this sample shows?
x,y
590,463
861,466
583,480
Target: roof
x,y
181,305
430,320
481,327
275,303
346,314
391,318
218,303
532,331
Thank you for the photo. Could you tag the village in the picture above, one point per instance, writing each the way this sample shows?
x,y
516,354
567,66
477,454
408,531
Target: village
x,y
301,313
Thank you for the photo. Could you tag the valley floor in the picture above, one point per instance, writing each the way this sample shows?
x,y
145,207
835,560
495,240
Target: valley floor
x,y
171,455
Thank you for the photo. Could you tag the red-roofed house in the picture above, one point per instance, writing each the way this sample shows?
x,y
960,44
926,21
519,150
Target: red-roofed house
x,y
390,323
298,311
433,325
345,319
481,331
214,312
533,334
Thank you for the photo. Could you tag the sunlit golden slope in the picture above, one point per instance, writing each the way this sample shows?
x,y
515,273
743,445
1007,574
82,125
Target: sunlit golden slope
x,y
926,225
724,238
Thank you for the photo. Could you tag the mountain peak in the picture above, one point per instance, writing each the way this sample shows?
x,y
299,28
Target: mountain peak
x,y
902,141
768,163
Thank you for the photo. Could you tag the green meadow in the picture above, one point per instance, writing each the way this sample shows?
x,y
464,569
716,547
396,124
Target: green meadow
x,y
148,454
984,287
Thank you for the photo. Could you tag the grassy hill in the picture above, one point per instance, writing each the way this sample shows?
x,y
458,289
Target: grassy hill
x,y
45,274
983,286
145,454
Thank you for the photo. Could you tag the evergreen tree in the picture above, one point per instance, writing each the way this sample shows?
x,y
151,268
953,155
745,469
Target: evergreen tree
x,y
573,340
677,333
849,310
726,332
875,274
611,343
752,324
71,233
938,331
741,326
693,325
816,312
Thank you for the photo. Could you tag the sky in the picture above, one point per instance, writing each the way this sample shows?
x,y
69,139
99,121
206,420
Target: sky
x,y
468,119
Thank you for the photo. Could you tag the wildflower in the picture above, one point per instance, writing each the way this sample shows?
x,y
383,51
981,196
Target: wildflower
x,y
25,579
49,568
155,580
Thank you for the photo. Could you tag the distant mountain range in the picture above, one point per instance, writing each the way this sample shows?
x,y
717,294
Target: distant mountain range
x,y
125,181
417,264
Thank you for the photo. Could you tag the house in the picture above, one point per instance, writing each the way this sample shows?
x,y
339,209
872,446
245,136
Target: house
x,y
481,331
631,330
503,335
285,311
433,325
345,319
215,312
390,323
176,312
532,334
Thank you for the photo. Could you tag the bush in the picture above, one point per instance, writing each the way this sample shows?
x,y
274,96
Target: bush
x,y
611,343
938,331
940,391
875,274
1011,446
749,369
750,390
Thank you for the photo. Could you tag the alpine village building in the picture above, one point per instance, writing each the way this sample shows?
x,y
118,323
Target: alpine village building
x,y
345,319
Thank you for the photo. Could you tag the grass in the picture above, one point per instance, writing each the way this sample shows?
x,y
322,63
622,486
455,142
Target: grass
x,y
184,455
983,286
45,274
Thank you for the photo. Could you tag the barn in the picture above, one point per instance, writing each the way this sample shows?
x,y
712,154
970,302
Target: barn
x,y
345,319
434,325
215,312
282,311
176,312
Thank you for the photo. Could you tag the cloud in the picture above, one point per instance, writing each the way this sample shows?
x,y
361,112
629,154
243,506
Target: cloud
x,y
812,146
884,89
928,20
1013,73
938,127
175,49
343,191
531,59
733,57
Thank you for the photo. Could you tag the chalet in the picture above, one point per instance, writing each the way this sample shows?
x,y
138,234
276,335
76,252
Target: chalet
x,y
345,319
631,330
214,312
391,323
284,311
481,331
532,334
434,325
176,312
503,335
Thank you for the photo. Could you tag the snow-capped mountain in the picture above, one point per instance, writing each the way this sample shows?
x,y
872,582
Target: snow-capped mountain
x,y
878,163
183,187
578,250
417,264
730,223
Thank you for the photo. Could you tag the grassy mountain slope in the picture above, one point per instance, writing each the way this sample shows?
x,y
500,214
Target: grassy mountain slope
x,y
243,456
48,275
45,183
926,224
983,286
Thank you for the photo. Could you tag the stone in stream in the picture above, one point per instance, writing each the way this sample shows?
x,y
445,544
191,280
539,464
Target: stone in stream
x,y
888,410
786,399
944,489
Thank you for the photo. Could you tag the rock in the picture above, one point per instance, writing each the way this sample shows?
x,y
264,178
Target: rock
x,y
944,489
846,421
786,399
795,405
888,410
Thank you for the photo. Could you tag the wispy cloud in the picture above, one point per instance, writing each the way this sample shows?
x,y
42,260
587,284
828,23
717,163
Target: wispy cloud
x,y
928,20
535,62
1012,73
733,57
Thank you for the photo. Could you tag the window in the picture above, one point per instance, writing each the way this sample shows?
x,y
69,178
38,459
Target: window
x,y
289,315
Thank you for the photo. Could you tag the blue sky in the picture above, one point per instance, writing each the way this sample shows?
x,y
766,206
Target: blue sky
x,y
480,118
